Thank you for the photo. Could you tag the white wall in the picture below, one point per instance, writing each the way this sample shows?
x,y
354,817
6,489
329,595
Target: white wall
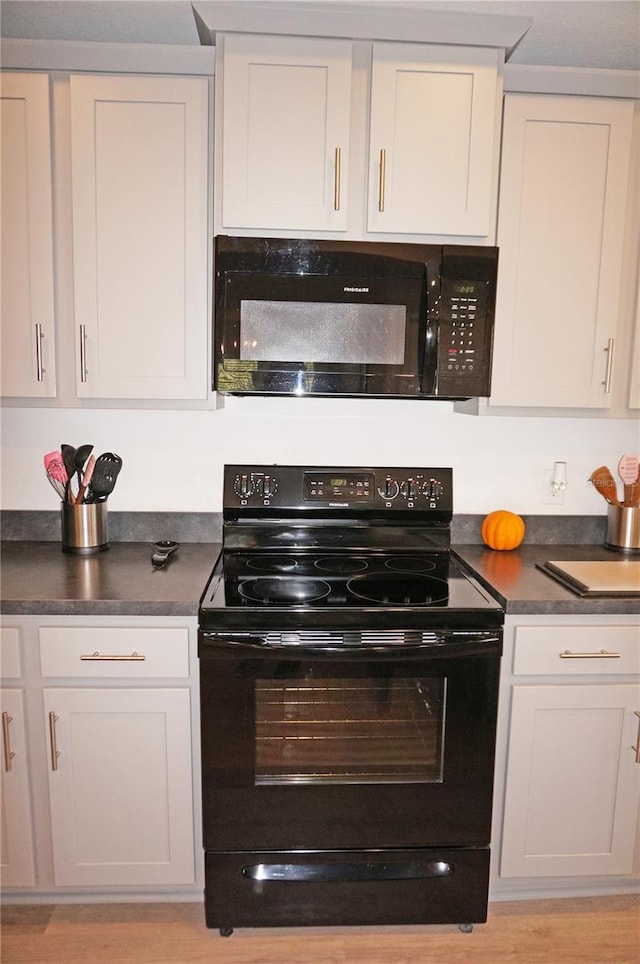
x,y
173,460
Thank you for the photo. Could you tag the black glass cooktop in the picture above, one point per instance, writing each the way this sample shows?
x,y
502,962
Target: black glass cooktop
x,y
269,586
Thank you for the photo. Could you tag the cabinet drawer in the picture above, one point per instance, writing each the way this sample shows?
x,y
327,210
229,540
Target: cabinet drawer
x,y
576,650
10,652
114,652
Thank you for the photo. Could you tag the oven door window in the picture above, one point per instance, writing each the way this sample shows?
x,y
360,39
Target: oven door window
x,y
352,730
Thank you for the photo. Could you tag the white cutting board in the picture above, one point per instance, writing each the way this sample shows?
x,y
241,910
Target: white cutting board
x,y
619,576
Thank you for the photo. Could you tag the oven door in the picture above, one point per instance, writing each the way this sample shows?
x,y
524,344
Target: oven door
x,y
383,747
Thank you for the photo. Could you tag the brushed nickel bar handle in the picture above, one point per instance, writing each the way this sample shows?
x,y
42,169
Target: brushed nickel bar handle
x,y
40,369
382,179
121,658
603,654
609,371
637,746
337,168
55,752
6,740
83,353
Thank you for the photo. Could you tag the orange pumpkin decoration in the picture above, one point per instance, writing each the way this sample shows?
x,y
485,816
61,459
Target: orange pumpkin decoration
x,y
502,530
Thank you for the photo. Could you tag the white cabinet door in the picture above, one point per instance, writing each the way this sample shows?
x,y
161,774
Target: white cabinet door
x,y
140,247
285,143
433,143
573,783
563,194
120,786
28,345
16,835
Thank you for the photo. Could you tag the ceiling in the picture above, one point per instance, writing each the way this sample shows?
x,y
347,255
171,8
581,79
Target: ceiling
x,y
571,33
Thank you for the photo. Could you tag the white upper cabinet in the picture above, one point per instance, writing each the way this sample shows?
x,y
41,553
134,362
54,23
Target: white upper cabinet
x,y
561,228
28,346
299,114
285,142
433,145
140,245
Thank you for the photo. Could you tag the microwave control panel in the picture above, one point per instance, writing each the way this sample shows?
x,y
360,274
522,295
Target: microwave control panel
x,y
464,338
464,307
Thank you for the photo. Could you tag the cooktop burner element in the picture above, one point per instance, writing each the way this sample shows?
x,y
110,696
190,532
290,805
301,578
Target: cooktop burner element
x,y
272,563
341,564
395,589
410,563
278,590
311,548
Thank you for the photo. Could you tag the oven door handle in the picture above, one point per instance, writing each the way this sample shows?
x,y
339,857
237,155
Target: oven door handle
x,y
448,644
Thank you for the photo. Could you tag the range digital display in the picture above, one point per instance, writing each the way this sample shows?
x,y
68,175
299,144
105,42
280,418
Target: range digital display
x,y
352,487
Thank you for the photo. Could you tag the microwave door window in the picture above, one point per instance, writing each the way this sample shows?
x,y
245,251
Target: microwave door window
x,y
322,333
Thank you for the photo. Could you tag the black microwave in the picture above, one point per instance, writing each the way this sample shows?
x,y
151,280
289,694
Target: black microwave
x,y
353,318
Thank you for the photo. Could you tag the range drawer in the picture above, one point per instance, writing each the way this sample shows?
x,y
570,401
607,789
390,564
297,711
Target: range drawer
x,y
576,650
114,652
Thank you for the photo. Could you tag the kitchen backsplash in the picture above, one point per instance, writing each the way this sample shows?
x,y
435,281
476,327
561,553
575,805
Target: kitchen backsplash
x,y
207,527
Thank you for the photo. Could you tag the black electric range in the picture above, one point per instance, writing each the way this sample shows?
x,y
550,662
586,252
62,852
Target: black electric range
x,y
349,672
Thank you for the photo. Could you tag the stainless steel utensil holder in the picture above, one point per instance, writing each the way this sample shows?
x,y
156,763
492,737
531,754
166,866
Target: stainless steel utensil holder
x,y
623,528
85,528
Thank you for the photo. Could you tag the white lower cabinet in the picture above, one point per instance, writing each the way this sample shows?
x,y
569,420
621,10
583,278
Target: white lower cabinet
x,y
120,785
16,835
100,731
17,866
572,783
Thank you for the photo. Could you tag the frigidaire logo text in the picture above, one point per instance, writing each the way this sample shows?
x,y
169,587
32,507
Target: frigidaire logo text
x,y
354,288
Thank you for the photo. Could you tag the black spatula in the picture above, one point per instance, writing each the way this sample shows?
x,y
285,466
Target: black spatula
x,y
104,476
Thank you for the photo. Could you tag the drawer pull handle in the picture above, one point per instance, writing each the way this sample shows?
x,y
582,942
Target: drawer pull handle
x,y
6,740
603,654
55,752
636,748
124,658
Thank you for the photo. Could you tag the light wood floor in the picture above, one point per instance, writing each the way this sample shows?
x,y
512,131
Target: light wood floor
x,y
571,931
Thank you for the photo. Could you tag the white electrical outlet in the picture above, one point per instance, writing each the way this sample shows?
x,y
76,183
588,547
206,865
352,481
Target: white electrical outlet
x,y
551,496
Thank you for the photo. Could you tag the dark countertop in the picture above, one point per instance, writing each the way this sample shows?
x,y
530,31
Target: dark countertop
x,y
38,578
512,577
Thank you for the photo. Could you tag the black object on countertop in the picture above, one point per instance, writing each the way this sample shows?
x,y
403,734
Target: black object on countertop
x,y
162,550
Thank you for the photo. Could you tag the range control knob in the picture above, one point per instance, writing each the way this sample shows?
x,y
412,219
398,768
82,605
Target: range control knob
x,y
389,488
243,486
266,486
435,489
409,489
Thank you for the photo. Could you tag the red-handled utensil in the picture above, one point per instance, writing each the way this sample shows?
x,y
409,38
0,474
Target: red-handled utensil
x,y
628,472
